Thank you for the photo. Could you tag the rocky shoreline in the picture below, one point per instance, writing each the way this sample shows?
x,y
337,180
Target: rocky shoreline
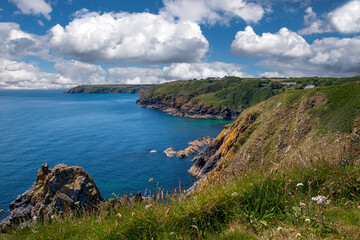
x,y
190,109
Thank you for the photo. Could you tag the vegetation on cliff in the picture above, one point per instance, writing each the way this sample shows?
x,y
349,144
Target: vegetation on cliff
x,y
287,168
110,88
223,98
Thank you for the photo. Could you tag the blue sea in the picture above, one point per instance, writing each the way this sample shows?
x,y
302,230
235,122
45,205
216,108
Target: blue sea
x,y
107,134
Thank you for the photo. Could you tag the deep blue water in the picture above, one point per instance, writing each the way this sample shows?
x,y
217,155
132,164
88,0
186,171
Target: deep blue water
x,y
109,135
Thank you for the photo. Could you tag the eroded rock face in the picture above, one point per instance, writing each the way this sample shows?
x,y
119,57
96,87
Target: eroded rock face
x,y
62,188
194,147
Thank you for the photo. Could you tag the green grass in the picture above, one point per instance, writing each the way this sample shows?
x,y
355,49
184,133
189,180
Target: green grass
x,y
246,206
233,92
343,106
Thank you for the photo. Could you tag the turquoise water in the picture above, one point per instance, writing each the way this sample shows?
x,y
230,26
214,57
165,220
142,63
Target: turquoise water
x,y
109,135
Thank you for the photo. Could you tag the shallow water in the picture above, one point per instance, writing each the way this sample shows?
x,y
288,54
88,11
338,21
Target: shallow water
x,y
107,134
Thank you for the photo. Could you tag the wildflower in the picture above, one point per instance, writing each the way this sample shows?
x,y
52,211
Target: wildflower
x,y
298,235
34,218
303,205
279,229
252,221
299,184
119,216
148,206
234,194
307,220
318,198
327,202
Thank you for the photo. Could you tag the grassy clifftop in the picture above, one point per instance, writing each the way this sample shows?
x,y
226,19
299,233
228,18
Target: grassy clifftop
x,y
226,97
287,168
112,88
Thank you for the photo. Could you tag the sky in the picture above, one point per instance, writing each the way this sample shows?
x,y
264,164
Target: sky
x,y
58,44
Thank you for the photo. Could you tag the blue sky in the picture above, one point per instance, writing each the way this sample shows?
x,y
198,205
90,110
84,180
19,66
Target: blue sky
x,y
60,44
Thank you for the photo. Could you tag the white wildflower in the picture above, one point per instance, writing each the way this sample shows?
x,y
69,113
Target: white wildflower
x,y
318,198
303,205
307,220
327,202
298,235
299,184
279,228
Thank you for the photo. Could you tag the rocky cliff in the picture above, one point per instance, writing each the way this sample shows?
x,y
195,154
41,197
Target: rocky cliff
x,y
190,109
55,190
297,127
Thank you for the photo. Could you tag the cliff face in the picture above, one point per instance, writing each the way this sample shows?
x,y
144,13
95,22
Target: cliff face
x,y
299,127
191,109
59,189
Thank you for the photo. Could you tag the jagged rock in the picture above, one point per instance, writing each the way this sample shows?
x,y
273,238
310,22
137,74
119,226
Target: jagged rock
x,y
59,189
194,147
170,152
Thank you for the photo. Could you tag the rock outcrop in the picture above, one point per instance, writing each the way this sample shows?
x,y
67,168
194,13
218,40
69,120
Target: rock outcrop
x,y
194,147
60,189
170,152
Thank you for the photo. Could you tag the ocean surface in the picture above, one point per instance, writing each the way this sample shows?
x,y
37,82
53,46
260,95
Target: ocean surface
x,y
107,134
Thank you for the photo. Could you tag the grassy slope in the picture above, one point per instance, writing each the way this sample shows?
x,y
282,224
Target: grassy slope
x,y
231,92
112,88
251,197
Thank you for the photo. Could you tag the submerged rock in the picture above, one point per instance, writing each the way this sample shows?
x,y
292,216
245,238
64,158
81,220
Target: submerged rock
x,y
56,190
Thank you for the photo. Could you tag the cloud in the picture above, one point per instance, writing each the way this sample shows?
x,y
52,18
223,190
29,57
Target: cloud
x,y
81,73
212,11
179,71
14,43
21,75
346,19
284,43
336,57
314,24
139,37
34,7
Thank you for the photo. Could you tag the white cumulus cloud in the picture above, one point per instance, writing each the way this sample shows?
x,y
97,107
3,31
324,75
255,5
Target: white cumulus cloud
x,y
14,43
139,37
314,24
34,7
177,71
212,11
21,75
284,43
346,19
331,57
81,73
